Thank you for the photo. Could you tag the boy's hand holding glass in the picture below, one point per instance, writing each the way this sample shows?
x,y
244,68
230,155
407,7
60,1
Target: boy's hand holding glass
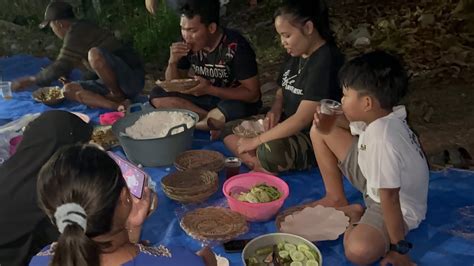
x,y
326,115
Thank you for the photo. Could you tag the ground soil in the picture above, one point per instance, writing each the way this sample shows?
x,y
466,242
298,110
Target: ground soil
x,y
440,103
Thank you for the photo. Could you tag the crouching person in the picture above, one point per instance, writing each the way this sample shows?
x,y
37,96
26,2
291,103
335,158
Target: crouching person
x,y
114,72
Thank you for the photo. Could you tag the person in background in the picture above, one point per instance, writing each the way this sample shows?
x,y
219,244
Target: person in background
x,y
308,75
82,191
380,156
24,228
115,71
221,59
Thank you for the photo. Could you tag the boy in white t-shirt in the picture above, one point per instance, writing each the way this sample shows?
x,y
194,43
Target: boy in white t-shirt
x,y
380,156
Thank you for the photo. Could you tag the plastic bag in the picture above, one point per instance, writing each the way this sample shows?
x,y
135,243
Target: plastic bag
x,y
11,130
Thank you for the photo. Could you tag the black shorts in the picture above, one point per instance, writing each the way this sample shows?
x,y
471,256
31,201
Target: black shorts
x,y
131,81
232,109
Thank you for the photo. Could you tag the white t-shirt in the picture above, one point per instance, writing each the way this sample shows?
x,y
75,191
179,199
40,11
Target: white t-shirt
x,y
390,157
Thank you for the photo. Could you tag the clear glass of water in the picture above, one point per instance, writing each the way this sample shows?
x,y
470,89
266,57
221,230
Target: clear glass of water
x,y
6,90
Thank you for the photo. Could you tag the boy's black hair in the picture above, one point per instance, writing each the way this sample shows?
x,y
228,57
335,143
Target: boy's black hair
x,y
208,10
302,11
378,74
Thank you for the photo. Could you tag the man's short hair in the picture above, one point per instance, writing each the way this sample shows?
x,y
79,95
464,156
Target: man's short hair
x,y
208,10
378,74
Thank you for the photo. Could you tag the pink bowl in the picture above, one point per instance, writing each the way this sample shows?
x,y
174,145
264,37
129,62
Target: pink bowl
x,y
255,212
110,118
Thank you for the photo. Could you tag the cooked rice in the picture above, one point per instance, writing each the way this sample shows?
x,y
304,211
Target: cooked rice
x,y
158,124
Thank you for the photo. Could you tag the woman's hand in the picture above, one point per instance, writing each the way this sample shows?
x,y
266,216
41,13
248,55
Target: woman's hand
x,y
272,118
247,144
140,209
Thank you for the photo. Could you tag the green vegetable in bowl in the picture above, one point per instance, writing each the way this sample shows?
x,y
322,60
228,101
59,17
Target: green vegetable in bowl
x,y
259,194
284,254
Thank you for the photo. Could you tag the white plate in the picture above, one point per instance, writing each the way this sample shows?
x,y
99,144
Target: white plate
x,y
316,223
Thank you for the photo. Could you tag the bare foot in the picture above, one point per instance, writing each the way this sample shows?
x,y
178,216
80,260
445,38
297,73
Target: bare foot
x,y
353,211
215,124
330,202
122,107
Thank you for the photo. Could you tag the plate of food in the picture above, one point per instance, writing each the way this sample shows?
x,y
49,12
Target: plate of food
x,y
177,85
281,249
104,137
249,128
49,95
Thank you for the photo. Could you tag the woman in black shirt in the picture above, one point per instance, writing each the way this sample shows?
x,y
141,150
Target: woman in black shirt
x,y
307,76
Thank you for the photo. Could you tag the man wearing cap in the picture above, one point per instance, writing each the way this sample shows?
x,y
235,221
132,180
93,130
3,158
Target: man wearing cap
x,y
118,73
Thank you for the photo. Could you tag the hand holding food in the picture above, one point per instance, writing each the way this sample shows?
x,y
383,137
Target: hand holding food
x,y
177,51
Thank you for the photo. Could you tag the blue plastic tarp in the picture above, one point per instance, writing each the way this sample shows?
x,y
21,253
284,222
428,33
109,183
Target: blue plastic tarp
x,y
446,237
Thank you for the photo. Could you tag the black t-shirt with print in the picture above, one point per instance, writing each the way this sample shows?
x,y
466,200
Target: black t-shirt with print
x,y
313,78
232,60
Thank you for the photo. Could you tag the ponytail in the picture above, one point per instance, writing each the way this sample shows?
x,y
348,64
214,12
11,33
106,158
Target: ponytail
x,y
79,189
74,248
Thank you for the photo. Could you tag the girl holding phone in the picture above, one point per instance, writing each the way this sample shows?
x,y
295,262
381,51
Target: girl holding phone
x,y
82,191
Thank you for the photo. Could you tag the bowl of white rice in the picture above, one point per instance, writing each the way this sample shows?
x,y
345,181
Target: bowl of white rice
x,y
154,137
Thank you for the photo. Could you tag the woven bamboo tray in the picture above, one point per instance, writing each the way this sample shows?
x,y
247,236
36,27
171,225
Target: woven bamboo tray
x,y
190,186
177,85
200,160
213,224
194,198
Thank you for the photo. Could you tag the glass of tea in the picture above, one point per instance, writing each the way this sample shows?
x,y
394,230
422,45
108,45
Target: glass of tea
x,y
232,166
330,110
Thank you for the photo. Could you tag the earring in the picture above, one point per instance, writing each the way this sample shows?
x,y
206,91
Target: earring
x,y
128,200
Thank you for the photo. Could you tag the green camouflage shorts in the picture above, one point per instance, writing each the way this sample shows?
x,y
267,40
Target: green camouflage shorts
x,y
292,153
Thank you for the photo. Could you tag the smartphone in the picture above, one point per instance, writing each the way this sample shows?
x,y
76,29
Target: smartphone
x,y
135,177
234,246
